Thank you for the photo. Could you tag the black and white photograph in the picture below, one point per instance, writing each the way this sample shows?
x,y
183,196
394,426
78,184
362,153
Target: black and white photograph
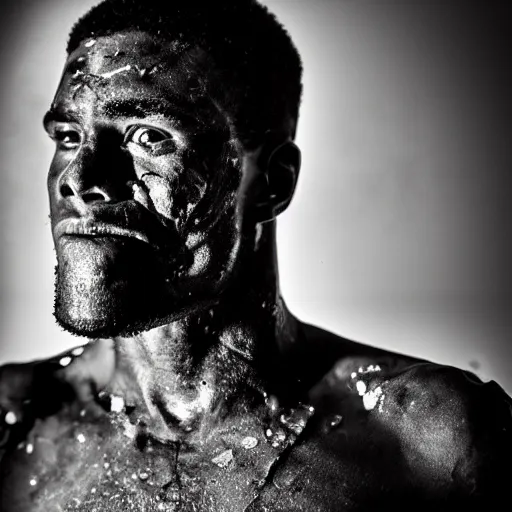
x,y
255,256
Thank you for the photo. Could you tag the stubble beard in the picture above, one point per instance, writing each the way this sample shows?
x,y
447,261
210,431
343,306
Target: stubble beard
x,y
99,297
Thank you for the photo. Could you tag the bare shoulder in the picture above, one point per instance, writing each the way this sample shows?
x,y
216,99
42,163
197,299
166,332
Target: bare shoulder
x,y
39,389
453,431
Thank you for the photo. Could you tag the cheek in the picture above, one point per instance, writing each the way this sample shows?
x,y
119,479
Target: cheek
x,y
213,244
160,192
172,191
178,190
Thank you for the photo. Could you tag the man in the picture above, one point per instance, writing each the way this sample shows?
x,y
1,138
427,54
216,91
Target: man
x,y
174,129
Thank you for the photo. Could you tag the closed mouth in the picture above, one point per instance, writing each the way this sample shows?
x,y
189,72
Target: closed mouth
x,y
90,228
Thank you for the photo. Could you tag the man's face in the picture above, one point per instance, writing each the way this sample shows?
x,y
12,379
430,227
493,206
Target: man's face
x,y
143,187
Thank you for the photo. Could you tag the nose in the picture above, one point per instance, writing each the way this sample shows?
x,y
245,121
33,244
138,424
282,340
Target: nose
x,y
95,194
98,173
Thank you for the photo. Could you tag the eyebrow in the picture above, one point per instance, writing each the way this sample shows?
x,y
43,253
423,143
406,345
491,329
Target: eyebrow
x,y
178,111
132,108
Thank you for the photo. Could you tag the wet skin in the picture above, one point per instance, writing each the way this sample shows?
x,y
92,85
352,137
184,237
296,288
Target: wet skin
x,y
146,174
376,432
202,392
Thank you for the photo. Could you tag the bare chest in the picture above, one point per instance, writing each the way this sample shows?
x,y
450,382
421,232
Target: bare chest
x,y
249,467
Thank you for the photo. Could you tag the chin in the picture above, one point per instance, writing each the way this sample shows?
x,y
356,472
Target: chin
x,y
103,318
93,304
104,294
95,307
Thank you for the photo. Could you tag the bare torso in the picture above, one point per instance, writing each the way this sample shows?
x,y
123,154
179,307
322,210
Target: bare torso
x,y
374,431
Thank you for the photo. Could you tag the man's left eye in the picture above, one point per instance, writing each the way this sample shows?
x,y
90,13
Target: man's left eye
x,y
147,137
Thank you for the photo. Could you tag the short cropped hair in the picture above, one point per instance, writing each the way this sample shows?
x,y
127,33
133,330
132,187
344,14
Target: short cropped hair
x,y
258,66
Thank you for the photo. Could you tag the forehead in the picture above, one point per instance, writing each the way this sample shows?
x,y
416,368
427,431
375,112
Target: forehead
x,y
139,72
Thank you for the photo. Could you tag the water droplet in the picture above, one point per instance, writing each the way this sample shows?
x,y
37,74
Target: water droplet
x,y
223,459
361,387
80,438
143,475
116,403
65,361
268,432
371,398
335,421
272,403
249,442
33,481
10,418
30,448
129,430
78,351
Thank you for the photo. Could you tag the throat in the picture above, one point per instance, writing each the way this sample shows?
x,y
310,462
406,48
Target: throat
x,y
180,387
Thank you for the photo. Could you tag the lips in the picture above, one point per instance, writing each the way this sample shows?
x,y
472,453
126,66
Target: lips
x,y
92,228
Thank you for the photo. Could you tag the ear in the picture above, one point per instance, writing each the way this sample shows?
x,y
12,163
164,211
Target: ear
x,y
277,181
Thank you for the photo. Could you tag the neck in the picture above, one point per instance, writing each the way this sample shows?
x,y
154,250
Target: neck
x,y
223,359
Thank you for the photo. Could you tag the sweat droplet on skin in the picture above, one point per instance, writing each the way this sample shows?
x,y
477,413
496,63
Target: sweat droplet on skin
x,y
371,398
361,387
249,442
143,476
33,482
223,460
116,403
335,421
65,361
272,404
78,351
11,418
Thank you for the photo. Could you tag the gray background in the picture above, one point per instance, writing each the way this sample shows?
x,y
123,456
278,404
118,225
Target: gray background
x,y
399,232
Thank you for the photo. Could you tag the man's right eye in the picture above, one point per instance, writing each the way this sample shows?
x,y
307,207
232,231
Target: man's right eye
x,y
65,137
